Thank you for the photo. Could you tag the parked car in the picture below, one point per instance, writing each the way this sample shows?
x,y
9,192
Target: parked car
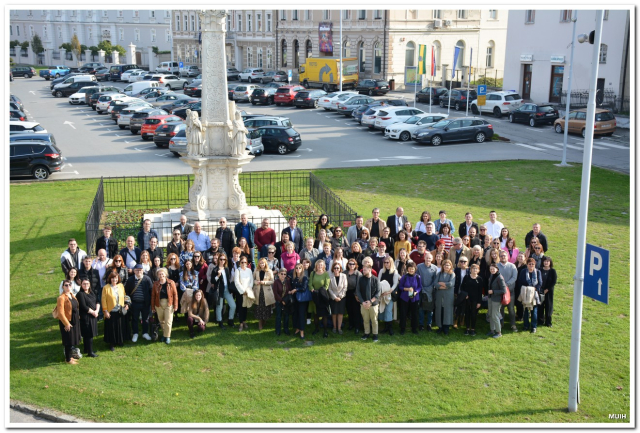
x,y
91,67
189,71
391,115
118,106
123,118
151,92
170,81
286,94
256,122
251,75
33,136
357,113
15,99
177,103
152,122
90,91
402,130
17,115
54,72
72,85
430,94
231,90
63,78
34,158
178,143
115,72
23,71
194,88
138,117
262,96
450,130
243,91
373,87
18,127
102,74
458,98
233,74
15,106
534,114
80,96
96,99
347,106
605,122
102,105
254,142
498,103
126,74
167,98
308,98
326,101
197,78
168,67
273,76
166,131
279,139
369,117
270,85
182,111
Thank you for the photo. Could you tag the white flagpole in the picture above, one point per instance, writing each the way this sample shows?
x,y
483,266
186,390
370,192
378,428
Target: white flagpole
x,y
466,112
450,85
431,81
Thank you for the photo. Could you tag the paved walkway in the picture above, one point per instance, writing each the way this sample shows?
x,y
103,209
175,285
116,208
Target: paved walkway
x,y
24,413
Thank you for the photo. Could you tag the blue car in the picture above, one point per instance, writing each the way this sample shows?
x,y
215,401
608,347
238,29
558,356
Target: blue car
x,y
54,72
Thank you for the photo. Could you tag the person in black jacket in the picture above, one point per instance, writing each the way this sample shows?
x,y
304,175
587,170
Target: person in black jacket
x,y
154,250
183,227
130,254
213,250
536,233
88,309
472,285
140,301
87,272
226,237
222,286
176,244
106,242
295,234
465,226
549,279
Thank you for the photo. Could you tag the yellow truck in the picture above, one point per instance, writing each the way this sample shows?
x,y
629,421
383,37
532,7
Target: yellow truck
x,y
322,72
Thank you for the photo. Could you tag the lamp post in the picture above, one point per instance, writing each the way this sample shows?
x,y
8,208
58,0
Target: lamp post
x,y
566,111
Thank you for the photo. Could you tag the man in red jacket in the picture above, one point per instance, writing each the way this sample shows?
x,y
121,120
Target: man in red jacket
x,y
264,237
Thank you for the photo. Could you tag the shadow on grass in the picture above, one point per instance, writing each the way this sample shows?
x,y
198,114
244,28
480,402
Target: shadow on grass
x,y
486,417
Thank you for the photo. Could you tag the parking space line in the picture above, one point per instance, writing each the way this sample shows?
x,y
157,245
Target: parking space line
x,y
526,145
536,130
615,146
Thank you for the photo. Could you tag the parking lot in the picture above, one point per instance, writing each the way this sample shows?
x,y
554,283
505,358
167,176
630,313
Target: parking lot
x,y
94,146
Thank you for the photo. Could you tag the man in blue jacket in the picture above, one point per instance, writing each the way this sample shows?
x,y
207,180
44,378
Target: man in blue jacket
x,y
245,229
145,235
295,234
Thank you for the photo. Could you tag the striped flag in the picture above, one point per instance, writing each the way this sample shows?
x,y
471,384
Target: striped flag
x,y
433,62
456,53
422,59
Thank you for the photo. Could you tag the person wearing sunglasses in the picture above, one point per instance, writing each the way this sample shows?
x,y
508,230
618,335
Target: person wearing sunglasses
x,y
117,266
284,301
353,307
67,308
537,255
226,237
221,279
536,233
339,240
263,291
337,292
176,244
388,273
243,279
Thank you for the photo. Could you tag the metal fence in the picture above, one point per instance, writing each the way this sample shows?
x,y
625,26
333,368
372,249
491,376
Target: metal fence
x,y
263,189
606,98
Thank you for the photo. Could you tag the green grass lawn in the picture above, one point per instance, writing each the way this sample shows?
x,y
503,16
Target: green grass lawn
x,y
258,377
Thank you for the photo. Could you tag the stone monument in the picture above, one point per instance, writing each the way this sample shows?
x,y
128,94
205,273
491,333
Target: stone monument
x,y
216,142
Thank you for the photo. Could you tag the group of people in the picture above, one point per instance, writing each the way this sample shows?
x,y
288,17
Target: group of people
x,y
376,271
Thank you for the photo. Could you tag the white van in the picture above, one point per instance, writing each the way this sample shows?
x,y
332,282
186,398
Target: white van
x,y
138,86
168,67
76,78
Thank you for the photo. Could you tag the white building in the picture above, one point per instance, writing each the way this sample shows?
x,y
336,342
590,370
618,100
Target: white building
x,y
538,47
142,28
186,37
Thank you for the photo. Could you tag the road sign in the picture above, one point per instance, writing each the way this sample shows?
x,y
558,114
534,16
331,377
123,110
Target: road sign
x,y
596,274
290,72
482,94
180,65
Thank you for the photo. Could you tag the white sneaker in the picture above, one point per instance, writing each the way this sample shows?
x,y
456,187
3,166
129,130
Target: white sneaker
x,y
146,336
308,321
135,338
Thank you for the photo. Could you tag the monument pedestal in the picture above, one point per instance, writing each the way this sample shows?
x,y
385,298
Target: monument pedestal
x,y
216,190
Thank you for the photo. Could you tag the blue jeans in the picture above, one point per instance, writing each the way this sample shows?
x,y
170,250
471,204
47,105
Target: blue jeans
x,y
421,317
230,301
534,318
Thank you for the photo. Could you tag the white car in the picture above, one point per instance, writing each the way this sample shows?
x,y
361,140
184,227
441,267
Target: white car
x,y
124,118
78,97
126,100
251,74
498,103
326,100
126,74
136,76
404,130
103,101
369,117
170,81
16,127
391,115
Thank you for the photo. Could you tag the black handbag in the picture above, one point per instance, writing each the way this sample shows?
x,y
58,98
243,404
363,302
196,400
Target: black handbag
x,y
232,289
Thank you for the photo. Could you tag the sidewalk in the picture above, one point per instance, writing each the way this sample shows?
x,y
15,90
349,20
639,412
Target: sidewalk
x,y
44,414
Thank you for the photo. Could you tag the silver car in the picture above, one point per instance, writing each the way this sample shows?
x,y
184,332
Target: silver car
x,y
168,99
178,144
124,118
243,92
346,107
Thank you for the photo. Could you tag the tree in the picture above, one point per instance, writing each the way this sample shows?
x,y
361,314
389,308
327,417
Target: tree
x,y
106,47
120,49
94,50
24,45
13,44
158,52
66,46
36,43
76,47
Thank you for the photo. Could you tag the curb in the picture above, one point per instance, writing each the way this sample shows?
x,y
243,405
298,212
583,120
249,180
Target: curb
x,y
48,414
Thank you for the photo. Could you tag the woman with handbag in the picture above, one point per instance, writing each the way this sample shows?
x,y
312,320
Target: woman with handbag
x,y
319,281
337,291
388,273
221,286
300,288
409,287
243,280
530,276
444,286
284,300
472,285
263,291
353,307
197,314
164,301
112,306
68,315
88,309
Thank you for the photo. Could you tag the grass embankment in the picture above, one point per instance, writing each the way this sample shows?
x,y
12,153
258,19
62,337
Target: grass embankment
x,y
258,377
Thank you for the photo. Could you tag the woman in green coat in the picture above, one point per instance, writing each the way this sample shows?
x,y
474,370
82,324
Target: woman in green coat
x,y
319,281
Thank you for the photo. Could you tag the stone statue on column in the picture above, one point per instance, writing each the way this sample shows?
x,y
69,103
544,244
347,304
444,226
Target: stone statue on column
x,y
195,129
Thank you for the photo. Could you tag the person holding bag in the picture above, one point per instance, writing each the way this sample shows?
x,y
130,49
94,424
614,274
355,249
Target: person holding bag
x,y
67,311
530,278
221,282
263,291
164,301
300,288
112,306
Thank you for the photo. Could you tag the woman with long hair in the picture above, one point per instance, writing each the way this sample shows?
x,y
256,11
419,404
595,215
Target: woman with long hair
x,y
145,261
197,314
353,307
504,236
388,273
321,239
388,241
72,277
338,257
337,292
401,262
263,291
244,248
117,266
300,287
187,252
402,242
188,281
549,280
445,235
112,306
356,254
243,279
221,279
421,226
510,247
164,301
69,320
319,281
88,309
323,224
364,238
445,283
157,264
173,268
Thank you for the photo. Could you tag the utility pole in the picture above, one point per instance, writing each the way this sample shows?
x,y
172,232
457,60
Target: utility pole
x,y
568,105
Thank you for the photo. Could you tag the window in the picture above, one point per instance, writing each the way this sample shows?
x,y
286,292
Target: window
x,y
490,47
462,14
294,15
606,15
346,50
260,57
565,16
283,15
460,63
269,59
307,15
362,14
377,14
529,16
249,57
186,23
346,14
603,53
437,14
308,49
493,14
259,22
167,14
410,54
361,56
239,27
326,14
268,23
104,13
193,23
136,14
177,23
120,14
249,23
137,35
153,35
73,13
377,58
121,34
284,53
153,14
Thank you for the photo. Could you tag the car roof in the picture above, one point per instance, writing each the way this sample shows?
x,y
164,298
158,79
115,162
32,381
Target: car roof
x,y
161,116
25,124
31,136
270,117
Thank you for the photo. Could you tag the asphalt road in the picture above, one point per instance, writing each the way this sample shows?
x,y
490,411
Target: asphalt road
x,y
94,146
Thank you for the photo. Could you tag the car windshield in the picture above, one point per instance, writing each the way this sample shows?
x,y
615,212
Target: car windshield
x,y
345,96
603,117
512,97
370,111
259,92
152,121
412,120
331,95
281,90
181,133
441,124
382,113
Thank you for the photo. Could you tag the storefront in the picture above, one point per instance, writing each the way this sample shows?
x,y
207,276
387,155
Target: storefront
x,y
527,68
557,75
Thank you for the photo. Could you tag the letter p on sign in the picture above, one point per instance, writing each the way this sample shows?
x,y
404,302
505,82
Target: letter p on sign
x,y
595,262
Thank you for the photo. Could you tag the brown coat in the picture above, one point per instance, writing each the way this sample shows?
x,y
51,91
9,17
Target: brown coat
x,y
281,289
64,308
202,313
269,298
381,225
171,291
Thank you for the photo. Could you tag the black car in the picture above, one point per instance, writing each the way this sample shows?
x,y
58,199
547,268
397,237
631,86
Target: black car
x,y
16,100
534,114
279,139
46,137
73,88
308,98
459,98
430,95
262,96
135,124
373,87
23,71
194,89
181,112
17,115
233,74
91,68
164,133
102,74
35,159
448,130
178,103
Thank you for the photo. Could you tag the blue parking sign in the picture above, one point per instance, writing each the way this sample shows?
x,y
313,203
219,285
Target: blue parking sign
x,y
180,64
596,273
482,89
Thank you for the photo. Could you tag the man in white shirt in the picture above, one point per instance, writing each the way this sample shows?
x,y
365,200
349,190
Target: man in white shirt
x,y
101,263
494,227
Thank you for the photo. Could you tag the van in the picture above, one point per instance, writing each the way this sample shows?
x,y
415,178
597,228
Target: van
x,y
115,72
137,87
76,78
169,67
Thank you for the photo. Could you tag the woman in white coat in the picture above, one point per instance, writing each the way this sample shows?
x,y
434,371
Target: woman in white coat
x,y
337,293
243,279
389,274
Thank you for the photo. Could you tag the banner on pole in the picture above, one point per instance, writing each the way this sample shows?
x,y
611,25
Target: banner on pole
x,y
433,62
411,76
456,53
422,59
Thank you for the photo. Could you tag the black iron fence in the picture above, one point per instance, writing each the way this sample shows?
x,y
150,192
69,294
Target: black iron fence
x,y
297,194
606,98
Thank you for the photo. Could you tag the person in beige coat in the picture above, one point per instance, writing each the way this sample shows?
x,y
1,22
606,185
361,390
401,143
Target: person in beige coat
x,y
337,293
375,219
263,292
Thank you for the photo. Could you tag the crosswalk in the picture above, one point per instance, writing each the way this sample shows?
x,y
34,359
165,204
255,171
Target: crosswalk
x,y
601,144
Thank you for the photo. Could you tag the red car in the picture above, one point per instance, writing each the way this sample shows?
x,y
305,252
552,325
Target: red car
x,y
286,94
151,123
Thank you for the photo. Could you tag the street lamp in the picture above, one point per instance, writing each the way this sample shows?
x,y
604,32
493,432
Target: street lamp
x,y
563,163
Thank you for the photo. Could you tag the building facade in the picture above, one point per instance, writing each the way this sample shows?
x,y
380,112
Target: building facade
x,y
539,43
185,26
142,28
